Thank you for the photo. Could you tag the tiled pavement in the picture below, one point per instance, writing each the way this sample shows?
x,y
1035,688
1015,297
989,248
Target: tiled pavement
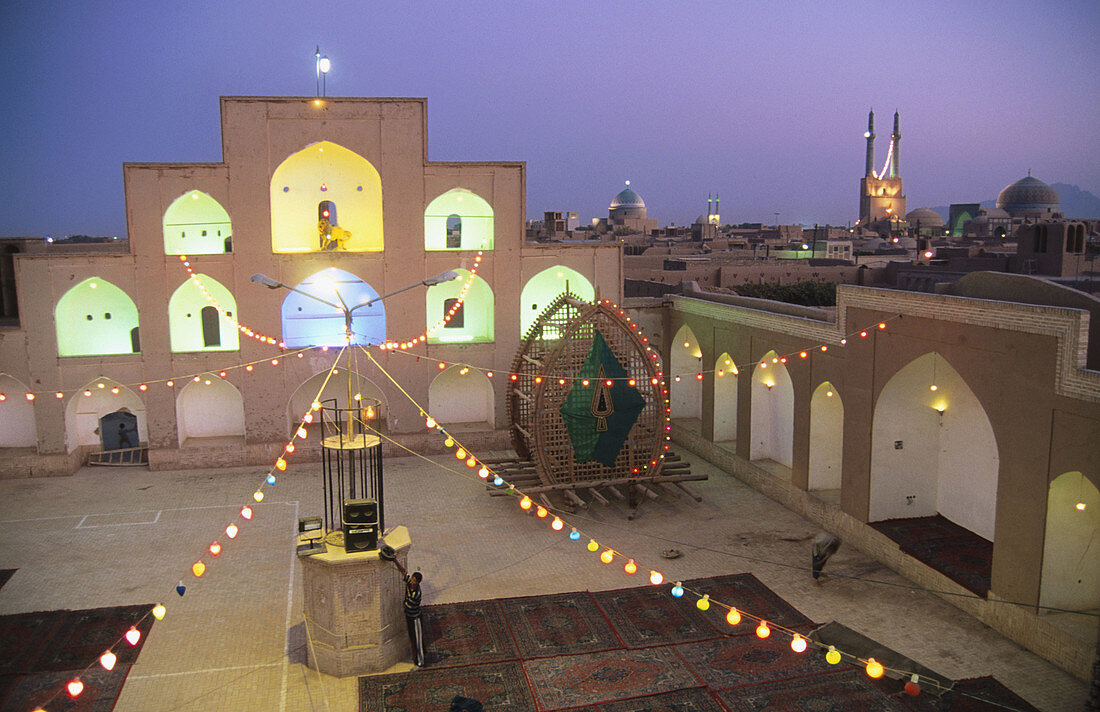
x,y
113,536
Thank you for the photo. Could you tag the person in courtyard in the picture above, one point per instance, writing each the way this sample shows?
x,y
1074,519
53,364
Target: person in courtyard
x,y
412,607
824,546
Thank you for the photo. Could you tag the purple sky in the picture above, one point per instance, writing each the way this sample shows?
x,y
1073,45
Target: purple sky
x,y
764,102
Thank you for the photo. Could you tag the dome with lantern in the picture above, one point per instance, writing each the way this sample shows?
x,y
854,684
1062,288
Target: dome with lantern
x,y
627,204
1029,197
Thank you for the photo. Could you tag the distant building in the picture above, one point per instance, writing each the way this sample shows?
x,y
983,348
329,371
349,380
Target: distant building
x,y
881,199
627,213
1030,198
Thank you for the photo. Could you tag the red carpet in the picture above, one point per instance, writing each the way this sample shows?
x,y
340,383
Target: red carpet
x,y
40,652
639,650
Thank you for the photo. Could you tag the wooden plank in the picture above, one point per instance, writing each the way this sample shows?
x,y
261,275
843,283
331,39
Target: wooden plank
x,y
597,496
615,481
532,361
690,492
615,492
647,492
572,497
668,488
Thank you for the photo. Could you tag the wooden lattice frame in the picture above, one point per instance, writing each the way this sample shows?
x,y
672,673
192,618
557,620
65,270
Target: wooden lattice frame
x,y
552,353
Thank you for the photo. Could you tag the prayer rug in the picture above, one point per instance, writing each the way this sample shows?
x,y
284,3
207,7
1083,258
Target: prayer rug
x,y
696,699
843,691
978,694
645,616
912,529
83,635
500,687
745,593
101,690
574,680
467,633
5,576
747,660
559,624
968,561
23,636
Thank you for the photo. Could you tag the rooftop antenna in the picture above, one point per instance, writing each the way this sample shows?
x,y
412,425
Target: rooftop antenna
x,y
323,65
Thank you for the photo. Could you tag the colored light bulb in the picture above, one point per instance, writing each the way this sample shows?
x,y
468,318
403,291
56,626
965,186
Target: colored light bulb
x,y
733,617
874,668
541,512
231,531
134,635
449,442
108,660
75,687
280,464
258,496
557,524
703,603
762,630
270,479
215,548
592,545
607,556
483,472
198,568
575,535
246,512
630,567
798,643
525,503
656,578
677,590
159,611
498,481
833,656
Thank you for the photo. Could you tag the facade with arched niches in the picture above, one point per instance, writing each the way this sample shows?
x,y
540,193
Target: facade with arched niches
x,y
901,405
334,198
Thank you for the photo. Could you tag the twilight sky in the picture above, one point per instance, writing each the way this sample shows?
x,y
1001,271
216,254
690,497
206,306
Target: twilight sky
x,y
762,101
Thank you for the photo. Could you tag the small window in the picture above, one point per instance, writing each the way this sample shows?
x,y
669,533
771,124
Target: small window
x,y
107,315
457,321
454,231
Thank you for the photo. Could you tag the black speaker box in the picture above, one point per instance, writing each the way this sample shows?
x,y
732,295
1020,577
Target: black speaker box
x,y
360,511
360,537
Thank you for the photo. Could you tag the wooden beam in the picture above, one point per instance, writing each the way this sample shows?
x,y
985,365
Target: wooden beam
x,y
615,492
690,492
666,487
572,497
597,496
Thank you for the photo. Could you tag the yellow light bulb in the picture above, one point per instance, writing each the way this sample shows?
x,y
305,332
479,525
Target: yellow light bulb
x,y
592,545
159,611
703,603
733,617
525,503
656,577
762,630
874,668
607,556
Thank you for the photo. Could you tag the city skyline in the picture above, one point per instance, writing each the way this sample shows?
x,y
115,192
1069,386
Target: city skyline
x,y
764,106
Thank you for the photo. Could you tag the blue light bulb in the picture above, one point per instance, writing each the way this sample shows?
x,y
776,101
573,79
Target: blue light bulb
x,y
677,590
575,535
498,481
271,479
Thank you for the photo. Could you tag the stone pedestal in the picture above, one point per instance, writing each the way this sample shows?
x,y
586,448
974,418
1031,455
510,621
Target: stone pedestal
x,y
355,619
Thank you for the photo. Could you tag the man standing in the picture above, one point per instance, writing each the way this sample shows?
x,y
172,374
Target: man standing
x,y
412,611
825,545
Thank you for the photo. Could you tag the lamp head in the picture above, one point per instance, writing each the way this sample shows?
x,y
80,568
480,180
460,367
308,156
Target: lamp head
x,y
447,276
265,281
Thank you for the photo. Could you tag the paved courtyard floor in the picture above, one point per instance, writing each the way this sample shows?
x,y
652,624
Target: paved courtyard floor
x,y
235,642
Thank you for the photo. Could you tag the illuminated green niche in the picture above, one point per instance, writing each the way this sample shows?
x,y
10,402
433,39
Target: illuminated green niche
x,y
473,216
195,324
318,173
545,287
474,320
196,224
96,318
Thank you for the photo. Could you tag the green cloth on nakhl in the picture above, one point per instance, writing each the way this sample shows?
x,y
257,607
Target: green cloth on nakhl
x,y
599,417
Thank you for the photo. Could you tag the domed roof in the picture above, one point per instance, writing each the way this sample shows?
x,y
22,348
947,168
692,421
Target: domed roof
x,y
925,216
626,198
1028,193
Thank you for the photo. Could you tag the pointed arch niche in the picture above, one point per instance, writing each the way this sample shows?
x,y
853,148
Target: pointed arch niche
x,y
308,322
933,451
1071,567
725,399
194,324
826,438
17,427
545,287
335,389
91,403
328,173
473,322
196,224
772,401
96,318
685,390
458,220
462,396
209,411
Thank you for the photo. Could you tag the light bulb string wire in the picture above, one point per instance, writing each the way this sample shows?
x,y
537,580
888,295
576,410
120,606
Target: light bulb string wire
x,y
614,552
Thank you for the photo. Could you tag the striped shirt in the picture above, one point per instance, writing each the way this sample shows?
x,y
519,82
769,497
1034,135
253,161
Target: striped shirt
x,y
412,599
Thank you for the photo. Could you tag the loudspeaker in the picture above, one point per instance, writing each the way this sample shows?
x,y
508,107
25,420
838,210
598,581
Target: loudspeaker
x,y
360,511
360,537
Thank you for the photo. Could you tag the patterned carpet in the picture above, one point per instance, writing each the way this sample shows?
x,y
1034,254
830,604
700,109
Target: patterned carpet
x,y
40,652
957,553
637,650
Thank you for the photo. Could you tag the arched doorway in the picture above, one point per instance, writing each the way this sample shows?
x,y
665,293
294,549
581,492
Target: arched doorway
x,y
1071,558
458,220
462,396
725,399
96,318
308,322
545,287
119,431
326,172
772,406
196,224
17,427
474,320
685,389
933,449
194,324
87,407
209,411
826,438
336,389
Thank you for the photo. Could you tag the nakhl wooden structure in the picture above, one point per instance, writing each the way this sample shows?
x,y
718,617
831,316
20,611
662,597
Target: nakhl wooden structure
x,y
589,411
